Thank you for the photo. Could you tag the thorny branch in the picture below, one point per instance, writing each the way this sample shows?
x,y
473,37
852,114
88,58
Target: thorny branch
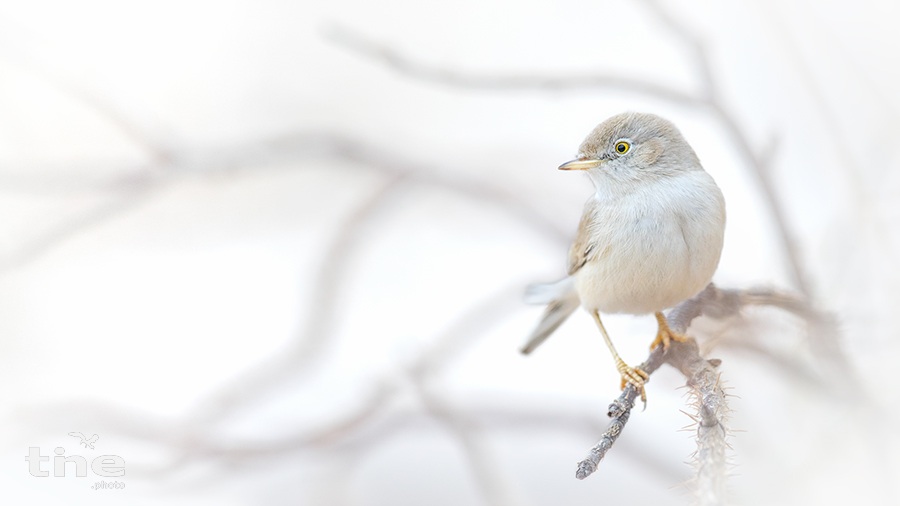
x,y
703,383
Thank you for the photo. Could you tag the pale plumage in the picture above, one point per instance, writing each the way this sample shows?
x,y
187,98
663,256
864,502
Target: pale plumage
x,y
650,236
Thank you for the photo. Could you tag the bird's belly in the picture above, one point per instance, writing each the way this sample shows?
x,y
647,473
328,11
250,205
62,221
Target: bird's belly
x,y
637,276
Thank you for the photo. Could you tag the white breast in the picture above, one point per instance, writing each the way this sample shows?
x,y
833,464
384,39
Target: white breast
x,y
658,245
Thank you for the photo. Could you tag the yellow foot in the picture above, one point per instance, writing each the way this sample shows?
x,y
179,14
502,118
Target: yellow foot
x,y
633,375
665,335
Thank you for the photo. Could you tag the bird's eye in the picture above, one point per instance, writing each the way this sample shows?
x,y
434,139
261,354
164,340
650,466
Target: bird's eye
x,y
622,147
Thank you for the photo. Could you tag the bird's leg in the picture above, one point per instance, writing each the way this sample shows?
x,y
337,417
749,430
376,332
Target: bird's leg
x,y
633,375
665,335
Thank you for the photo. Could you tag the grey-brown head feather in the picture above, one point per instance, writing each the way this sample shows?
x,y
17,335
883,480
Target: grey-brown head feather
x,y
655,141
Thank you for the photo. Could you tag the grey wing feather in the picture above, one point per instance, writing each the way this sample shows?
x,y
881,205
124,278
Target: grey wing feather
x,y
555,314
561,299
583,249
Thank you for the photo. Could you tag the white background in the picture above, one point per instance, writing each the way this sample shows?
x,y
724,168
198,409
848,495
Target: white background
x,y
203,244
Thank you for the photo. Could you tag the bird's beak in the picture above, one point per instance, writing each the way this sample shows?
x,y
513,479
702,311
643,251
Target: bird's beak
x,y
580,164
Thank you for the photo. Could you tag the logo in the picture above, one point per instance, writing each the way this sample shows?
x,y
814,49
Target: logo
x,y
101,466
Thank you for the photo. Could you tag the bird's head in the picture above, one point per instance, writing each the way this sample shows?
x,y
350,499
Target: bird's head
x,y
631,148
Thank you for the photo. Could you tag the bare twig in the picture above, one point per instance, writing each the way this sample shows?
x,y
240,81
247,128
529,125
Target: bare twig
x,y
619,411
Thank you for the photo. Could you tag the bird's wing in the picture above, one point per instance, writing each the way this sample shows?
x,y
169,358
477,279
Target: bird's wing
x,y
584,248
94,438
556,313
77,434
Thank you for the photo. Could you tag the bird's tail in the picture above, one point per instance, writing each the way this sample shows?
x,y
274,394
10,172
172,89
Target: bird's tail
x,y
561,300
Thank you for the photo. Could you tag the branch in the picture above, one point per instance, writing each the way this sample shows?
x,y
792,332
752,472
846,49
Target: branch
x,y
709,400
703,381
620,409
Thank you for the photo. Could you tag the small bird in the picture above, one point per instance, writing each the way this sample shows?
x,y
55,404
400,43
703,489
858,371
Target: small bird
x,y
650,236
87,442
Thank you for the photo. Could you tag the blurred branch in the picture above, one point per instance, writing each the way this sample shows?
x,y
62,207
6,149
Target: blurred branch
x,y
841,377
376,158
399,62
168,162
307,346
158,153
847,160
70,225
117,195
484,469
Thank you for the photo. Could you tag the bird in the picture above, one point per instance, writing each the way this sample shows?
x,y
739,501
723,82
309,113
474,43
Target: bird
x,y
87,442
650,236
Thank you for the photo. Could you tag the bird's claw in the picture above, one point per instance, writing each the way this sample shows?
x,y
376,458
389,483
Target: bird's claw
x,y
665,335
665,338
634,375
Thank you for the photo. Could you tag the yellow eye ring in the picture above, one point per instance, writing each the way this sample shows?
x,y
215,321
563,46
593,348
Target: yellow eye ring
x,y
622,147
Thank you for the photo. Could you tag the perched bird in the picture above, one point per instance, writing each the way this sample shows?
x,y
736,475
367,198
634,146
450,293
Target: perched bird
x,y
650,236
